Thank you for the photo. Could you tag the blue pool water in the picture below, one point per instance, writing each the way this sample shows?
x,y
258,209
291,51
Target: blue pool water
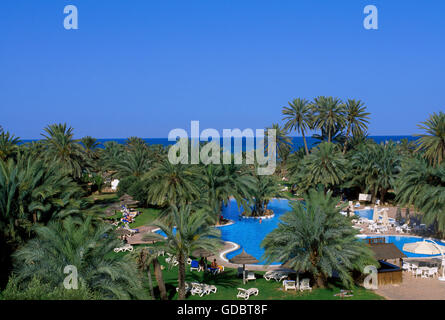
x,y
366,213
249,233
399,241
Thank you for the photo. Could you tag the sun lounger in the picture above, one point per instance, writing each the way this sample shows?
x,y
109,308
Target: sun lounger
x,y
195,266
250,276
304,285
290,285
246,293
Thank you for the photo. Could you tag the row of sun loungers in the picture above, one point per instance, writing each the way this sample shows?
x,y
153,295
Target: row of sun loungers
x,y
126,247
276,275
200,289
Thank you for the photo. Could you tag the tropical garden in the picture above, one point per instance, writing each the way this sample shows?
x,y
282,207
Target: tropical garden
x,y
52,203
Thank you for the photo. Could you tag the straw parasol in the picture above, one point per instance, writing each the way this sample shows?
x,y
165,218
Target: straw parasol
x,y
244,258
385,219
202,253
423,247
375,216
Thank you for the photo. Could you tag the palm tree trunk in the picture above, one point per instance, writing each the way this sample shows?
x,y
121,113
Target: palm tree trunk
x,y
150,283
347,138
34,217
181,276
305,143
159,279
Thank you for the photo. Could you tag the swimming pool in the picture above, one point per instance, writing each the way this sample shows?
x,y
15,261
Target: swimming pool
x,y
249,232
366,213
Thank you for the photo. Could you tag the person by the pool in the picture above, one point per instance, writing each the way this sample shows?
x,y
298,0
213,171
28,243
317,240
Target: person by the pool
x,y
261,220
215,265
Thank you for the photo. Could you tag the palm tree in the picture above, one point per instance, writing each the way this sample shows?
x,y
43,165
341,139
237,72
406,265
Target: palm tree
x,y
171,184
191,231
62,148
375,168
266,188
329,114
433,143
314,237
325,165
356,119
85,245
144,258
33,191
90,146
8,145
283,142
423,186
224,181
133,162
298,118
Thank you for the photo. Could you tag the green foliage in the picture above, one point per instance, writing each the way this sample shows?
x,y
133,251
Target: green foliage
x,y
325,166
374,168
8,145
36,289
314,237
298,117
60,147
423,186
86,245
433,143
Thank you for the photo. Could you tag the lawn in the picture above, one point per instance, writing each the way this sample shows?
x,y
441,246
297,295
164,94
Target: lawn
x,y
146,216
228,282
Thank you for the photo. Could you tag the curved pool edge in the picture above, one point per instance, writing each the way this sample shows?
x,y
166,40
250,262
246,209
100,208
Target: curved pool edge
x,y
364,235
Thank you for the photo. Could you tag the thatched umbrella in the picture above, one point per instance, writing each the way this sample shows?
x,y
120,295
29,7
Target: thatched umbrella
x,y
244,258
202,253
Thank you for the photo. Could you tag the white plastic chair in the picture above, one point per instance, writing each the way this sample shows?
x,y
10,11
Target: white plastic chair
x,y
304,285
290,285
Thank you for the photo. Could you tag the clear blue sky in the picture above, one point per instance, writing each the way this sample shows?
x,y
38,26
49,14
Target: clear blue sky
x,y
142,68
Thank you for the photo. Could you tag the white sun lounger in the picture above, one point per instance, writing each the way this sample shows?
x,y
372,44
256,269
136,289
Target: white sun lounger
x,y
250,276
290,285
304,285
246,293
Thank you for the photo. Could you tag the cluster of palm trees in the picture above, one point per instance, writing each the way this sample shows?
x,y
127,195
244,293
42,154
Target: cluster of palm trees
x,y
44,184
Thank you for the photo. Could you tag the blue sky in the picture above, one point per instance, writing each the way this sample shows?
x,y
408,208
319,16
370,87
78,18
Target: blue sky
x,y
142,68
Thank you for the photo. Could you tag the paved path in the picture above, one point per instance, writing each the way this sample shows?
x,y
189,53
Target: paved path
x,y
413,288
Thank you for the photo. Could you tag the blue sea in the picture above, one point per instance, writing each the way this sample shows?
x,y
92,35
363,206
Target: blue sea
x,y
297,141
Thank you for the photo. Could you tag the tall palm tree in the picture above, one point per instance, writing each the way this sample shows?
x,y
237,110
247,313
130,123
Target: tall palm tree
x,y
144,258
298,118
325,165
62,148
329,114
85,245
191,231
356,118
8,145
315,238
433,143
172,184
